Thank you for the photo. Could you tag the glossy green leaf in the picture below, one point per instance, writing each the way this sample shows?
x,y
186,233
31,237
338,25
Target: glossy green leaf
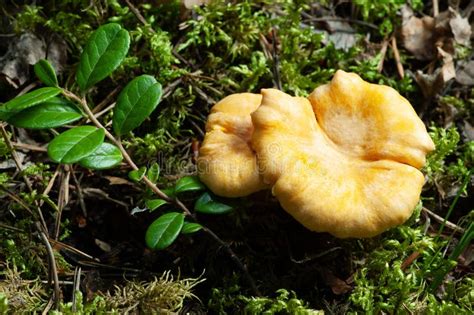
x,y
137,175
164,230
207,204
105,156
154,204
153,173
103,53
75,144
45,72
53,113
135,103
27,100
188,183
169,192
191,227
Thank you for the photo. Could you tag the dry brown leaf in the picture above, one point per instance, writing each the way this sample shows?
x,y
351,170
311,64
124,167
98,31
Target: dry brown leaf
x,y
418,36
21,54
341,34
465,73
338,286
460,28
430,84
114,180
447,70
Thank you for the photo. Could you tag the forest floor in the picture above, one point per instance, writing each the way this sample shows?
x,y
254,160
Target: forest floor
x,y
91,224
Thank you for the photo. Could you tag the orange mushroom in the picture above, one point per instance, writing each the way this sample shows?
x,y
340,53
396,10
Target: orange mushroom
x,y
346,160
227,163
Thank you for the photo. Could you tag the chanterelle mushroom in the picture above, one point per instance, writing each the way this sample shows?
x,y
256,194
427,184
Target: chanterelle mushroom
x,y
346,163
226,163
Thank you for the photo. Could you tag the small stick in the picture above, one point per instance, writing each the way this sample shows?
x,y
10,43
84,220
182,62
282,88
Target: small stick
x,y
338,19
435,8
76,286
383,52
52,264
80,195
26,146
396,54
20,168
439,219
61,245
410,259
156,190
106,100
276,61
63,199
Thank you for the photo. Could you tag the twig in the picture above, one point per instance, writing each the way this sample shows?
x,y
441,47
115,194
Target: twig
x,y
80,195
52,264
61,245
276,61
435,8
440,220
76,286
20,168
106,100
383,52
157,191
63,199
338,19
105,110
410,259
26,146
396,54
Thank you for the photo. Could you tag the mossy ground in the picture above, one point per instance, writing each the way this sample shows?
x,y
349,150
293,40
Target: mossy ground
x,y
200,56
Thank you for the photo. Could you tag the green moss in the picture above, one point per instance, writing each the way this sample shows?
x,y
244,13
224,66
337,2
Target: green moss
x,y
230,300
384,13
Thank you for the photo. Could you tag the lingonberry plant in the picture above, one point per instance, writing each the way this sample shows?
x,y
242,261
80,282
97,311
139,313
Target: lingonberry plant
x,y
54,106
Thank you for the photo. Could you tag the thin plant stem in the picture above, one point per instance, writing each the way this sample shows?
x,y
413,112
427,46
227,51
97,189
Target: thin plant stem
x,y
117,141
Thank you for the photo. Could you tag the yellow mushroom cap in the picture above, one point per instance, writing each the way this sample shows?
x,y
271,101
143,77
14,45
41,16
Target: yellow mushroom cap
x,y
370,121
227,164
353,172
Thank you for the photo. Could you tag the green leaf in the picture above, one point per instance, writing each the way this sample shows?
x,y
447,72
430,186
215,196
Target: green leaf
x,y
45,72
207,204
27,100
75,144
53,113
164,230
154,204
190,227
103,53
153,173
135,103
137,175
169,192
188,183
105,156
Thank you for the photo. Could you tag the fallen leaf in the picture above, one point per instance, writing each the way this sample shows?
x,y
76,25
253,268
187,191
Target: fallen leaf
x,y
447,70
468,131
103,245
21,54
341,34
465,73
460,28
418,36
338,286
430,84
114,180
